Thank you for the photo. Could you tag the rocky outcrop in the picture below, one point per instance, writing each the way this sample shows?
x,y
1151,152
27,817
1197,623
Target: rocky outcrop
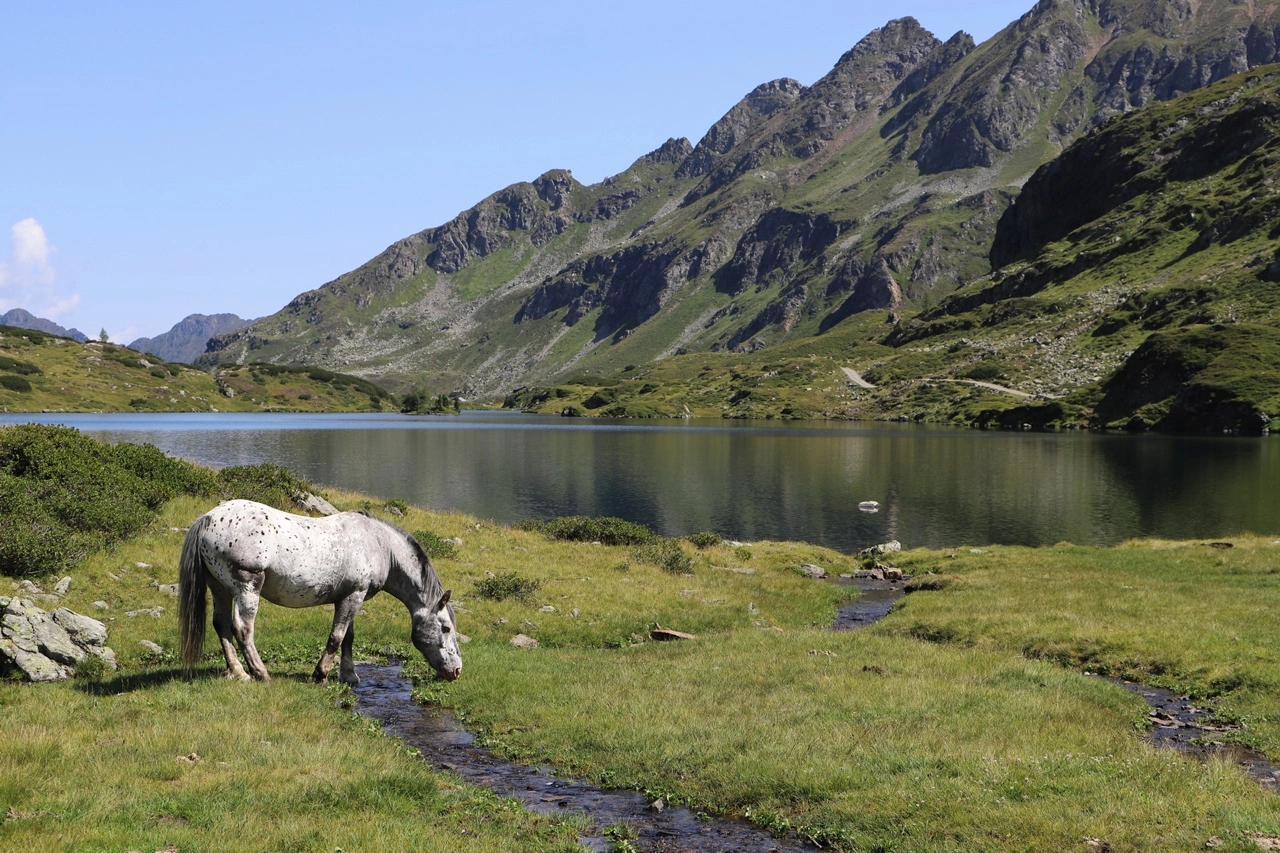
x,y
779,242
870,286
737,125
631,285
1081,62
1121,162
487,227
47,646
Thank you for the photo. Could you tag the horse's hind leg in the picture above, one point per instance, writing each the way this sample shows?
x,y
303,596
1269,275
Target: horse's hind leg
x,y
244,612
222,624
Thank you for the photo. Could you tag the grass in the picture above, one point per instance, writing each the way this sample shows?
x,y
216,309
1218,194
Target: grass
x,y
1187,616
149,761
963,721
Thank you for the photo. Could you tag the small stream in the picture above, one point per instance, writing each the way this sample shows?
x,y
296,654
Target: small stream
x,y
385,695
1176,721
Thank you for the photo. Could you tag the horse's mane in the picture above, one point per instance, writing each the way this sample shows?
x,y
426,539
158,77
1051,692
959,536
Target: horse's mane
x,y
430,581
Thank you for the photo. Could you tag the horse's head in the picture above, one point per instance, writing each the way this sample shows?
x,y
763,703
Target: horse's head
x,y
434,635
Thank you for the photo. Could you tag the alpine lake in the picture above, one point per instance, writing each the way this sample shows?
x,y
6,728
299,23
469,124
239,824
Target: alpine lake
x,y
935,487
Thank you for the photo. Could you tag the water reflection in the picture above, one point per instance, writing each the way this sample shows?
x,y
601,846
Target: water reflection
x,y
937,487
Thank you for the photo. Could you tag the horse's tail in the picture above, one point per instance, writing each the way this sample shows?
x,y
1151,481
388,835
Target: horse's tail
x,y
191,597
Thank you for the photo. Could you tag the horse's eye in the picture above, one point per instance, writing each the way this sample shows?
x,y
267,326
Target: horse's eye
x,y
446,629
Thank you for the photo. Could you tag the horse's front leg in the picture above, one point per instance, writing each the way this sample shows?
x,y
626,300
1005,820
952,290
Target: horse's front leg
x,y
341,636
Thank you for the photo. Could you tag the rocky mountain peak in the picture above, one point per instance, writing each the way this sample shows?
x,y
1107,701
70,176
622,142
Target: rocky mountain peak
x,y
669,153
746,117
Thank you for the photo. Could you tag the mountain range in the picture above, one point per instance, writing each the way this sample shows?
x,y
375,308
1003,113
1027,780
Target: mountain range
x,y
874,208
189,337
20,318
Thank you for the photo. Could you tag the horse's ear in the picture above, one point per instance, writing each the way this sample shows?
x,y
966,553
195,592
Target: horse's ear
x,y
444,599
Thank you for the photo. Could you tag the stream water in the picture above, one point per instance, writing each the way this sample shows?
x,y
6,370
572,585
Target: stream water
x,y
385,695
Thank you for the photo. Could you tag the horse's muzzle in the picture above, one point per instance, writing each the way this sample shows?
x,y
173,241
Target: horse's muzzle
x,y
449,674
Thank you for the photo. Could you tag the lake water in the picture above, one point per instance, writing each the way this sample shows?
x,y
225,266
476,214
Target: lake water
x,y
937,487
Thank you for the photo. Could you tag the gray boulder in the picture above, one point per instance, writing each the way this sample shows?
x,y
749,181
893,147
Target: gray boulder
x,y
47,646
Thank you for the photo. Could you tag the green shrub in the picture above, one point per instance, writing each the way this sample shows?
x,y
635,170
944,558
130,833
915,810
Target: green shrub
x,y
397,505
506,585
667,555
985,372
436,547
265,483
63,494
15,383
581,528
13,365
705,539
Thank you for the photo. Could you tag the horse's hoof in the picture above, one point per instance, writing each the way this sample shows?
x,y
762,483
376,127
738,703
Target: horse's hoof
x,y
351,679
238,676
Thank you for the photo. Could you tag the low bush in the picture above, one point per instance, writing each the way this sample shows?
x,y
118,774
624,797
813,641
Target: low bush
x,y
705,539
15,383
506,585
265,483
582,528
436,546
667,555
63,494
14,365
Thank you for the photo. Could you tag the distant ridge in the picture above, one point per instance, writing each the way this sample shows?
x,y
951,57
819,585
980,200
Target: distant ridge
x,y
186,341
26,320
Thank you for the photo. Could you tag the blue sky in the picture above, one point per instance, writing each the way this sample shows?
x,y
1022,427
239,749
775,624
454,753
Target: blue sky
x,y
162,159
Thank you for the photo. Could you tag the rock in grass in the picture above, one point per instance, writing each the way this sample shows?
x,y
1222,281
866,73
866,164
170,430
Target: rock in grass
x,y
523,641
810,570
664,634
44,646
312,502
882,548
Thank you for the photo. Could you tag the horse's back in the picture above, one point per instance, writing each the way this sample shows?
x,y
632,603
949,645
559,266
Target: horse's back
x,y
303,561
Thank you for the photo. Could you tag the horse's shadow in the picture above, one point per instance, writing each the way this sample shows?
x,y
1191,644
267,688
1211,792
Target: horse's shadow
x,y
130,682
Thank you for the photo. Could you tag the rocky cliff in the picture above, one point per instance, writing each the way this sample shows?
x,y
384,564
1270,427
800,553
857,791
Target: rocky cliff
x,y
879,186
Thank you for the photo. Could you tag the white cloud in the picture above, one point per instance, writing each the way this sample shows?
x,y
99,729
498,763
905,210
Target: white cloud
x,y
30,246
28,278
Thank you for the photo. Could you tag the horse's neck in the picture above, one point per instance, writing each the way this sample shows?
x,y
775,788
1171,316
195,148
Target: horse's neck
x,y
406,580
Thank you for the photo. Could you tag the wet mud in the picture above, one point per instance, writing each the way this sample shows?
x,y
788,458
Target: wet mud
x,y
384,695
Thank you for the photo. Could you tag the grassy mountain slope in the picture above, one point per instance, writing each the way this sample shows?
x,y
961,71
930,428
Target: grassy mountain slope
x,y
1137,285
879,187
40,372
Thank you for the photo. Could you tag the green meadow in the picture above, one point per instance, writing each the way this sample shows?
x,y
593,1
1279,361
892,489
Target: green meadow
x,y
965,720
